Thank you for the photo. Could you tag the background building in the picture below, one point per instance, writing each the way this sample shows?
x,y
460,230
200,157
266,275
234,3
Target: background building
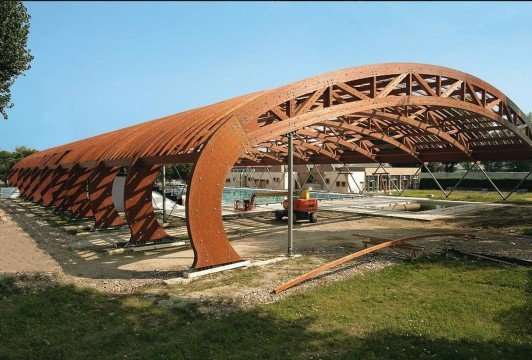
x,y
332,178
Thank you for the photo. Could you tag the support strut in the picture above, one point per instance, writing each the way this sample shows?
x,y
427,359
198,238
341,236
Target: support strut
x,y
46,191
78,194
290,247
100,185
138,205
32,183
60,190
22,181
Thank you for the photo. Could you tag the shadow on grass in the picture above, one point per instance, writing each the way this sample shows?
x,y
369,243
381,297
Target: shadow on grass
x,y
45,320
512,319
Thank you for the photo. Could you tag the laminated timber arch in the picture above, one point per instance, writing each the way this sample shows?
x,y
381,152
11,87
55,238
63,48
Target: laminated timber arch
x,y
400,113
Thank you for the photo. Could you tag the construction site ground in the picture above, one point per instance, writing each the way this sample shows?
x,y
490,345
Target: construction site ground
x,y
35,240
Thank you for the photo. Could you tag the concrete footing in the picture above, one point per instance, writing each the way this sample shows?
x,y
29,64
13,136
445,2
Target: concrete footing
x,y
145,248
274,260
194,274
199,273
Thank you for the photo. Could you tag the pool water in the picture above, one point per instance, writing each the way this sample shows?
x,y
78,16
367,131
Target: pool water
x,y
231,194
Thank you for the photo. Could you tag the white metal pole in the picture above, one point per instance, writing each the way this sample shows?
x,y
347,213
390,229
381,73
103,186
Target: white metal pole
x,y
290,193
164,193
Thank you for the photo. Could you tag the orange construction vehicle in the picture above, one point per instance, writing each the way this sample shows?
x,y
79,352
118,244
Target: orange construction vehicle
x,y
304,208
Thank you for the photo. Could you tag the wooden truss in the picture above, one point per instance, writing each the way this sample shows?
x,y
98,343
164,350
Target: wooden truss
x,y
394,113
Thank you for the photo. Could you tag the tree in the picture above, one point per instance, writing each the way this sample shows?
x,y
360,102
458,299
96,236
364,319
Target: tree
x,y
494,166
449,167
21,152
185,170
6,163
520,165
15,57
434,167
8,159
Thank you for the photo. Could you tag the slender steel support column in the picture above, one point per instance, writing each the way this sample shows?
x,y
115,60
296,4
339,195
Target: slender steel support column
x,y
353,178
100,186
319,173
390,181
290,249
379,178
308,176
164,193
491,182
138,205
410,180
280,182
177,172
334,181
434,178
518,185
459,181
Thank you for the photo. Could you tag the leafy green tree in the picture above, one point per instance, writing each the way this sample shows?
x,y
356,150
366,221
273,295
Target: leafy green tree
x,y
449,167
6,163
434,167
467,165
178,171
21,152
8,159
520,165
494,166
15,57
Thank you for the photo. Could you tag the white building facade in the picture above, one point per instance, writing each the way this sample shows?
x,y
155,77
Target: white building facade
x,y
331,178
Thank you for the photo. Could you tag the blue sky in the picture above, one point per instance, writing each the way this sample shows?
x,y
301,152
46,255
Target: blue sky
x,y
103,66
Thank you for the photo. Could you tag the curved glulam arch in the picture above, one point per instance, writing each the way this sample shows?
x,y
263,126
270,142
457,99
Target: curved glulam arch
x,y
389,112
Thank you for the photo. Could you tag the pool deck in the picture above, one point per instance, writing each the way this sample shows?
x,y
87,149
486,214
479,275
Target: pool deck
x,y
371,205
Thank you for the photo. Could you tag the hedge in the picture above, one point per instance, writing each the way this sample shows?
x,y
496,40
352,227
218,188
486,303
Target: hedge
x,y
502,184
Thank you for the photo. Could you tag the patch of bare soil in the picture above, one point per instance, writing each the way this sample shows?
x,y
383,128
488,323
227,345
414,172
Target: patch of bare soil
x,y
19,253
31,244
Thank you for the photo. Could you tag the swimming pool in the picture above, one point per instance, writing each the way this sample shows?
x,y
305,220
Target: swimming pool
x,y
231,194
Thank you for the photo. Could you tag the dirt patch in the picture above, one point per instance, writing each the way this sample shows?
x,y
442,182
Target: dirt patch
x,y
20,253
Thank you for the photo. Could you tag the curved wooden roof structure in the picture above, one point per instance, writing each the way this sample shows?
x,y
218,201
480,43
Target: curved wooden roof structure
x,y
397,113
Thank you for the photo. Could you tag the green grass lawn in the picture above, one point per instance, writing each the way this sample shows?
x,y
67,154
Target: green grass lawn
x,y
491,196
435,308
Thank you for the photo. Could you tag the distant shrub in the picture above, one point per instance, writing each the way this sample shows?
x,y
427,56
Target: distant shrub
x,y
502,184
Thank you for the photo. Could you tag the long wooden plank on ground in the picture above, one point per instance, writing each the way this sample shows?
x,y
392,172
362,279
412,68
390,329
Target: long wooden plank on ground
x,y
357,254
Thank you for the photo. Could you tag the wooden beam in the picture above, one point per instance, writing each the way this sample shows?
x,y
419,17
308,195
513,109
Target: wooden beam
x,y
307,104
451,89
352,91
424,84
372,134
312,274
391,85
